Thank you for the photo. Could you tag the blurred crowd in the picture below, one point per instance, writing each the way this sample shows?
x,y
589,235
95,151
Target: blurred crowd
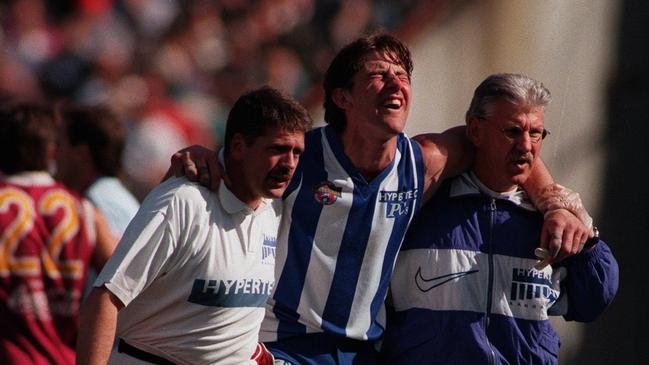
x,y
171,69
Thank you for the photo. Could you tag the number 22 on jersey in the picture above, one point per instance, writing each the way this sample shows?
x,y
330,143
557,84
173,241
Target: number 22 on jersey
x,y
22,220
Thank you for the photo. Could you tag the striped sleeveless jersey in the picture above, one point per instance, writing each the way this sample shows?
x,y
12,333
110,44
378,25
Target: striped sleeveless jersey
x,y
339,239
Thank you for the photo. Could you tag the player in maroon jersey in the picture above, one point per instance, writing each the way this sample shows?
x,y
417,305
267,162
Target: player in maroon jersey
x,y
49,237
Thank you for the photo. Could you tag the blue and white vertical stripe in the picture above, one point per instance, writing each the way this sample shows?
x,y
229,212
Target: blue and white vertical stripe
x,y
339,241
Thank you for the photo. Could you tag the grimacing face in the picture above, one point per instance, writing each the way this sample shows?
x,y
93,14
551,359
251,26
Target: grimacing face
x,y
379,99
506,149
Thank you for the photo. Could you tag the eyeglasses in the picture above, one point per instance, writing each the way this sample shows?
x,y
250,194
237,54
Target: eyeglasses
x,y
514,133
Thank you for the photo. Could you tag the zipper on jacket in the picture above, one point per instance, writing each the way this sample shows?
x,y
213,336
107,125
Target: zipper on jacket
x,y
492,213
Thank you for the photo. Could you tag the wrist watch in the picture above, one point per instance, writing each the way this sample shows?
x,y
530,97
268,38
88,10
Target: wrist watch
x,y
592,241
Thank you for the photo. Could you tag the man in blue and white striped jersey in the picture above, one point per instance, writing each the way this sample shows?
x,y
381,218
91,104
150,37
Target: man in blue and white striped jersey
x,y
353,195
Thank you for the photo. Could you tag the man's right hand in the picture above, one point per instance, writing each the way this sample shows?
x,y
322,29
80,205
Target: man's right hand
x,y
197,163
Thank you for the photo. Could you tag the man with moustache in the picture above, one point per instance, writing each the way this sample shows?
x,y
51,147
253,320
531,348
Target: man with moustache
x,y
192,272
467,287
353,195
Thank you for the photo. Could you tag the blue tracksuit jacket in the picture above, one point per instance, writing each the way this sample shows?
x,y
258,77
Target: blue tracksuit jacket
x,y
464,290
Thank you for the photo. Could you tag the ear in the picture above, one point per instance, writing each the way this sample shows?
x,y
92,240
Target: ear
x,y
474,131
237,147
340,96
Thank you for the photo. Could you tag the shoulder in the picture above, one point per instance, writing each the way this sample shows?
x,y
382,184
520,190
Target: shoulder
x,y
178,192
432,146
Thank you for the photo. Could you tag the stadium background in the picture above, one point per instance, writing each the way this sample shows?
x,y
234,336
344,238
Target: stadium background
x,y
172,69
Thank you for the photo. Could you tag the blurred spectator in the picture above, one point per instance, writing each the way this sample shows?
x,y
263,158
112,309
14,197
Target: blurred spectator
x,y
89,160
49,236
171,69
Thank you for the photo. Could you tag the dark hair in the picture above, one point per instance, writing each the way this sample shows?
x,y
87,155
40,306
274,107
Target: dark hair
x,y
350,60
101,130
258,110
26,131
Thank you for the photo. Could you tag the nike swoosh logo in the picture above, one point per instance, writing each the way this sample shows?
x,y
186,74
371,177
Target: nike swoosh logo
x,y
427,284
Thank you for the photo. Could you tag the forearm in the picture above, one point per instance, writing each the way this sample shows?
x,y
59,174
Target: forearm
x,y
549,197
97,327
539,178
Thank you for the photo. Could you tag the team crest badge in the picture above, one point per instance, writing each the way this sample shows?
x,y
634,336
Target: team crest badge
x,y
326,193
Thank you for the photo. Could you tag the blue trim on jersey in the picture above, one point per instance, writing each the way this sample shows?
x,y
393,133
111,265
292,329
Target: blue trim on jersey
x,y
406,179
307,211
400,204
419,170
349,261
351,170
354,240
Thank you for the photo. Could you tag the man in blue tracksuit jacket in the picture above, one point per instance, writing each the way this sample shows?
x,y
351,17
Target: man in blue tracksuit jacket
x,y
467,286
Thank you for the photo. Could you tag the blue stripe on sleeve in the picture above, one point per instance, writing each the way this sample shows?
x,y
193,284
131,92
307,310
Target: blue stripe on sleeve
x,y
305,215
407,181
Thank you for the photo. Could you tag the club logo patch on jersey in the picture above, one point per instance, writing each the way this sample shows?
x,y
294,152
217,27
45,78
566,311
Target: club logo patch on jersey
x,y
530,288
397,203
268,250
326,193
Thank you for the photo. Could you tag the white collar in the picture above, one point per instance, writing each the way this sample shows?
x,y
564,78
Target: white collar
x,y
469,184
38,178
233,205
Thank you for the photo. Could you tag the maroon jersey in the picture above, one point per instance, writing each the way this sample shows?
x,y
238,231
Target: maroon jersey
x,y
46,244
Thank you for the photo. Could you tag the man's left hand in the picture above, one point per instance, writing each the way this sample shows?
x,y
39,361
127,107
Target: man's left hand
x,y
563,234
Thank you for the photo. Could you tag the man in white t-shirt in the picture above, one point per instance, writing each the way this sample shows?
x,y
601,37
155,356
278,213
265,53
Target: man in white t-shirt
x,y
190,277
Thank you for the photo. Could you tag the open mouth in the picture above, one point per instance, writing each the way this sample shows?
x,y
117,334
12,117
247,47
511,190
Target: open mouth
x,y
394,104
522,161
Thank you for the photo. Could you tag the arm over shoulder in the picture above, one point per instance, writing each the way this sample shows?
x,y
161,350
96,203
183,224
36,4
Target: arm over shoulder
x,y
445,155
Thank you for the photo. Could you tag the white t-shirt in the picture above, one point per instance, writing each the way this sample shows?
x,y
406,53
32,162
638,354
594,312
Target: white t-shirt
x,y
194,270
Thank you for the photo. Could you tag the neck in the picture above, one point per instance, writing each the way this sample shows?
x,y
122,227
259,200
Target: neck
x,y
370,156
492,184
236,183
